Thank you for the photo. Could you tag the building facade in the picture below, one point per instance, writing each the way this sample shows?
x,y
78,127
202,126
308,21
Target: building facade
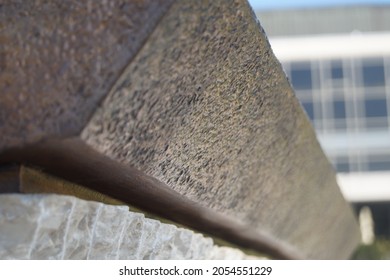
x,y
338,61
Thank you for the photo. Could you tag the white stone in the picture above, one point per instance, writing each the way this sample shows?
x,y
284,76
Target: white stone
x,y
64,227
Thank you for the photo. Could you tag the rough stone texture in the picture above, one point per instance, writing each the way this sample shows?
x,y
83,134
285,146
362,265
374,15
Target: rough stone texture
x,y
58,59
64,227
206,108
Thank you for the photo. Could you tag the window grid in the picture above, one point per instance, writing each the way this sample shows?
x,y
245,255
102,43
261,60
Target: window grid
x,y
386,62
344,100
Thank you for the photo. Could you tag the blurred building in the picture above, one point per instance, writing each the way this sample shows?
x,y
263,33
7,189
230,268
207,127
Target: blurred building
x,y
338,61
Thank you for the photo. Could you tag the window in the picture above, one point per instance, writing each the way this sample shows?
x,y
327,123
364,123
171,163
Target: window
x,y
343,96
339,109
342,167
301,76
336,70
378,163
373,74
375,108
342,164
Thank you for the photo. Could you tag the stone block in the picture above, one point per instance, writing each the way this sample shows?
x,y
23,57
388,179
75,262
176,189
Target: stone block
x,y
180,108
206,108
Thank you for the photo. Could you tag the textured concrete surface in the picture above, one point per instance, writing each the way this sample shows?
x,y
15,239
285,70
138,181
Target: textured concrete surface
x,y
58,59
65,227
206,108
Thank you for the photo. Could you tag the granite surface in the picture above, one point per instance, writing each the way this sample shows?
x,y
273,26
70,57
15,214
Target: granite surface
x,y
58,59
206,108
189,93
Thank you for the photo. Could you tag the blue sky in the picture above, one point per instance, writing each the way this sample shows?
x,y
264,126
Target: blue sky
x,y
282,4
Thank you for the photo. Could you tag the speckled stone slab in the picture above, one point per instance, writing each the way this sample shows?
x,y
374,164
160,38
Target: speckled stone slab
x,y
65,227
58,59
206,108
